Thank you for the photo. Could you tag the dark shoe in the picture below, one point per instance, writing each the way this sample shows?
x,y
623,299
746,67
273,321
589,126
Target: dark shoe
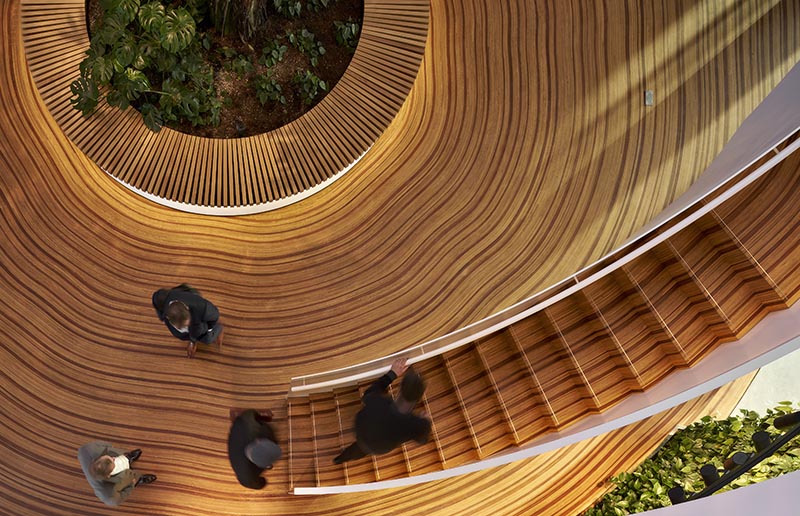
x,y
134,455
146,479
338,459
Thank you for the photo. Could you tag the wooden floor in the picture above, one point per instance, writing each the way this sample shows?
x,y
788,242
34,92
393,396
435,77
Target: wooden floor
x,y
523,152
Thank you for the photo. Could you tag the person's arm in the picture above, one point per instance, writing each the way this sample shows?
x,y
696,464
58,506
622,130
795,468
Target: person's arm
x,y
382,384
159,297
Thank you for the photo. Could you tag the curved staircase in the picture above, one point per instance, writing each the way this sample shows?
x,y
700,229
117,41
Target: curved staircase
x,y
662,303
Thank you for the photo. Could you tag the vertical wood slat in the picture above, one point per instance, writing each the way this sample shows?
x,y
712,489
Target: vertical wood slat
x,y
55,41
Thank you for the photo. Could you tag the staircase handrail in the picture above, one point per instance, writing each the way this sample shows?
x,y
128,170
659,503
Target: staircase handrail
x,y
306,384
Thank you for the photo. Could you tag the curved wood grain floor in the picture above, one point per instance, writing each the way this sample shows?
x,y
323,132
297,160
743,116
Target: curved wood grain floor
x,y
522,153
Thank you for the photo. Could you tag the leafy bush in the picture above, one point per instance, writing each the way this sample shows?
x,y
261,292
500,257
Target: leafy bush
x,y
268,89
318,5
347,34
241,65
288,8
310,85
307,43
147,55
679,459
272,53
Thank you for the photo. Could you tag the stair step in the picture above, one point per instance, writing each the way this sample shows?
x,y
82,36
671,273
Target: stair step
x,y
302,459
607,370
327,438
738,287
481,405
684,309
349,401
648,345
765,219
454,438
515,386
562,384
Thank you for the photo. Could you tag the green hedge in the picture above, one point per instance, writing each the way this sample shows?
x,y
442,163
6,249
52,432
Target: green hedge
x,y
679,459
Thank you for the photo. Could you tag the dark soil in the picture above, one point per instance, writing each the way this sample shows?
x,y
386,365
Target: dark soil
x,y
242,114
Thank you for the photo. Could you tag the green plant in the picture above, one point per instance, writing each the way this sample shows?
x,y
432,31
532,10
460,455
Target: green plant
x,y
272,53
310,85
288,8
241,65
268,89
147,55
307,44
679,459
347,34
318,5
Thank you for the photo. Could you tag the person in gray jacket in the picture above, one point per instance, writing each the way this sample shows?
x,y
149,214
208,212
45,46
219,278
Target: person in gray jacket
x,y
109,471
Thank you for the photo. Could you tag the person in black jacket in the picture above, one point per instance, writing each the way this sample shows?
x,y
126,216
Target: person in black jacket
x,y
383,424
252,448
188,316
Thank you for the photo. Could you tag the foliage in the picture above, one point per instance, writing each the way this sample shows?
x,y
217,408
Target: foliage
x,y
347,34
272,53
241,65
310,85
678,462
288,8
268,89
147,55
308,44
318,5
154,55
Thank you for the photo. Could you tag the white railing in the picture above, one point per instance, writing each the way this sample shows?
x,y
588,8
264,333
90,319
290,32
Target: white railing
x,y
324,381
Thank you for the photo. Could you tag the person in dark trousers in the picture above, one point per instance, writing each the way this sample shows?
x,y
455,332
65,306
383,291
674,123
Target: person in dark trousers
x,y
188,316
383,424
110,471
252,447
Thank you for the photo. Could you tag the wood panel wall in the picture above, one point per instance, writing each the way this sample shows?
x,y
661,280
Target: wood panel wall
x,y
522,153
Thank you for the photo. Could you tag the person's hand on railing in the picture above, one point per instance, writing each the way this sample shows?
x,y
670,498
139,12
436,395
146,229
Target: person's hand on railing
x,y
399,366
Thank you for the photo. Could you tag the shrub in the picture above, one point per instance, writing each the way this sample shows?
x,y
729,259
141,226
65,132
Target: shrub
x,y
147,55
272,53
347,34
310,85
268,89
318,5
288,8
307,44
679,459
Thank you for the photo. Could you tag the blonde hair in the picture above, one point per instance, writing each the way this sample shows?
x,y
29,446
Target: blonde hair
x,y
102,467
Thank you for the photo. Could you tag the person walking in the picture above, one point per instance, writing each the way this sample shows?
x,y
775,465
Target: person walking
x,y
109,472
252,447
188,316
383,424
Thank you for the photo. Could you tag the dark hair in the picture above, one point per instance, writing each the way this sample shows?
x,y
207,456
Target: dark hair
x,y
177,313
102,467
413,386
